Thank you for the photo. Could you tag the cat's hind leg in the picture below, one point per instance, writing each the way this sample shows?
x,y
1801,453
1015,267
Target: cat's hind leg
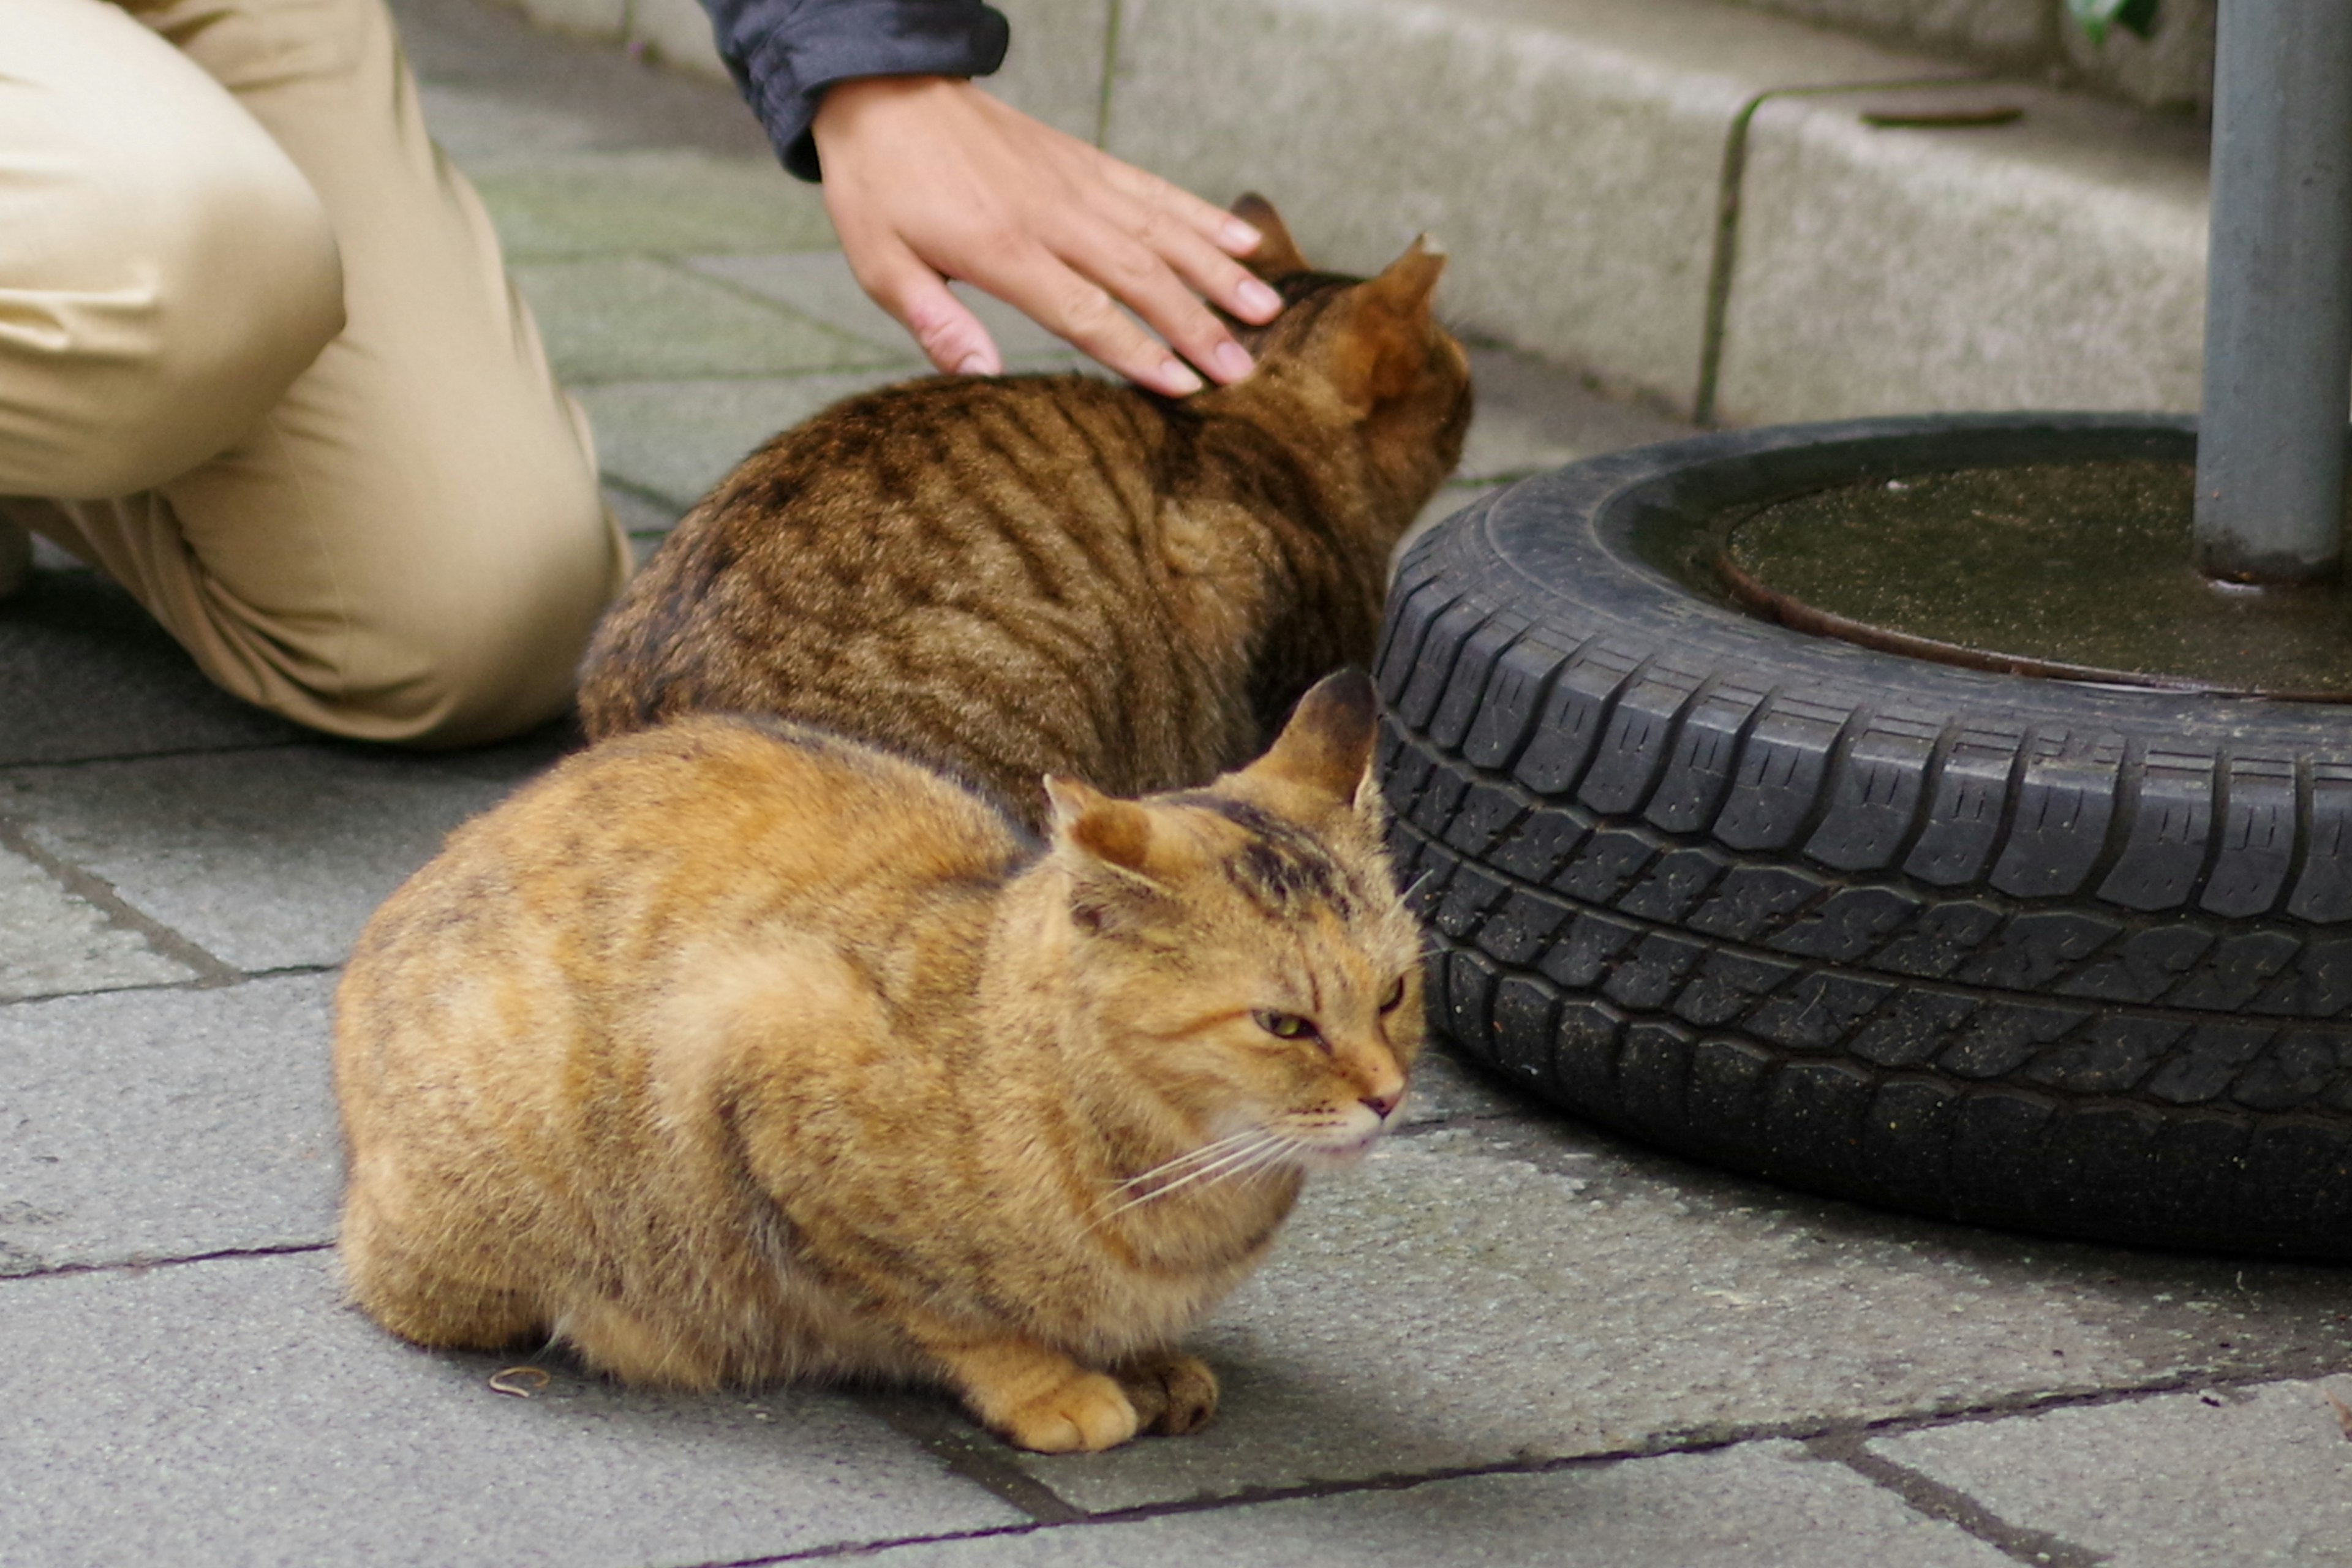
x,y
426,1302
1172,1394
637,1349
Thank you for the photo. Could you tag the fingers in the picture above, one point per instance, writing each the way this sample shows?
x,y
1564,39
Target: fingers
x,y
929,178
1042,287
943,326
1141,276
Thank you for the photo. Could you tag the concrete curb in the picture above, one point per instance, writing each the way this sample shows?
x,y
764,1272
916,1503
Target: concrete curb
x,y
1679,197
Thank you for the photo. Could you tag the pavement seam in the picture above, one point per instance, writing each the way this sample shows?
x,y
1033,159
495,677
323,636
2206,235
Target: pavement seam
x,y
200,983
210,972
1934,1499
982,1461
137,1266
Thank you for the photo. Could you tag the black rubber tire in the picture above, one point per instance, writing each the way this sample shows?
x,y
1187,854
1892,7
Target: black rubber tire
x,y
2033,953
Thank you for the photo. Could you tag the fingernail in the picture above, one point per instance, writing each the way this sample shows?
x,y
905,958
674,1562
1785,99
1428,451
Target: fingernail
x,y
1259,303
1239,237
975,364
1229,361
1177,380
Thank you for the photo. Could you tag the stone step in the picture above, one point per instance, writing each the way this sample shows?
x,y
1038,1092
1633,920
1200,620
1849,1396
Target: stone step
x,y
1744,216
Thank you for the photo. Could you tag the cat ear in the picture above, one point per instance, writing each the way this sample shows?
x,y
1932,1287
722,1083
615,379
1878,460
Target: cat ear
x,y
1277,254
1327,747
1384,342
1115,832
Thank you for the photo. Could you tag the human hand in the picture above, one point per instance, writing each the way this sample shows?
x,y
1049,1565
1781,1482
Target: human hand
x,y
929,178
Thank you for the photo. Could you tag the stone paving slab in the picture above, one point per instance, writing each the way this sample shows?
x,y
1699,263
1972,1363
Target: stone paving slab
x,y
607,318
1768,1505
84,672
233,1412
820,285
1479,1295
2219,1478
658,202
1531,417
675,439
52,942
167,1123
265,860
489,53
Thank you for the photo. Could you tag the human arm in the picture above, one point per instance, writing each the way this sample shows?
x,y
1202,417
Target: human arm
x,y
929,177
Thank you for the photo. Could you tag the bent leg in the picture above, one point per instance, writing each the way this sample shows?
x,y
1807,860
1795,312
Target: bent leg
x,y
408,544
165,270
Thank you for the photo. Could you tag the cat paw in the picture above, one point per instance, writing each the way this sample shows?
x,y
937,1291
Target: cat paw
x,y
1083,1415
1172,1394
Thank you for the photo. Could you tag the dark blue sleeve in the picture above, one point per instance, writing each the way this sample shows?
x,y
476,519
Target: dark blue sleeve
x,y
785,53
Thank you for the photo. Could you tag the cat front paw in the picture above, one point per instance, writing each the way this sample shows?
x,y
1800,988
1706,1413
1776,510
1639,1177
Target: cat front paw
x,y
1172,1394
1085,1415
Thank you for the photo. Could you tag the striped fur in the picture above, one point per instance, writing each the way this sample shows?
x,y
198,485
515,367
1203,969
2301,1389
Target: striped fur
x,y
732,1051
1013,576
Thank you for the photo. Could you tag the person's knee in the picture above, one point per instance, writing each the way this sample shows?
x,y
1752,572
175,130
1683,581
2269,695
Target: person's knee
x,y
478,650
215,281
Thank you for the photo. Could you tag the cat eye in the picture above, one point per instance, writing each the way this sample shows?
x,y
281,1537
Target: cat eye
x,y
1286,1025
1394,996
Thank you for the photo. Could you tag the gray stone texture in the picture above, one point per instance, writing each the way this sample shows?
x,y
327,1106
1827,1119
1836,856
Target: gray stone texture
x,y
52,942
2221,1478
235,1412
1054,69
2057,262
265,860
606,318
1481,1295
675,439
1766,1505
2170,69
165,1124
85,673
1578,202
654,203
819,285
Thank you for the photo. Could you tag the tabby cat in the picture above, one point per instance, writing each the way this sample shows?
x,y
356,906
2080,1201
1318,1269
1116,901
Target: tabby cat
x,y
1017,576
732,1051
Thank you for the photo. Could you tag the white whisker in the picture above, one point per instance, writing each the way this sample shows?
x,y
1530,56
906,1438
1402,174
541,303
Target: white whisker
x,y
1205,1152
1238,1155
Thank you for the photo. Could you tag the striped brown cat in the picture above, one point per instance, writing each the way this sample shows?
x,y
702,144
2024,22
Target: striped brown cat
x,y
731,1051
1017,576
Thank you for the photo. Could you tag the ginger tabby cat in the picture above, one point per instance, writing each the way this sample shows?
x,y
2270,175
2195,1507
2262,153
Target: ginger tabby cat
x,y
733,1051
1010,577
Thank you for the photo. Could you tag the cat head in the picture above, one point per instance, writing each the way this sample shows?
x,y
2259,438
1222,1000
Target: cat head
x,y
1242,946
1373,346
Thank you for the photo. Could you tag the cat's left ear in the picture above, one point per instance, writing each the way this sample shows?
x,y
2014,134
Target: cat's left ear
x,y
1327,747
1117,832
1383,343
1277,255
1117,879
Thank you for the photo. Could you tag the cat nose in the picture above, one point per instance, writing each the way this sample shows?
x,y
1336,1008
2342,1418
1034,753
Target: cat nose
x,y
1382,1104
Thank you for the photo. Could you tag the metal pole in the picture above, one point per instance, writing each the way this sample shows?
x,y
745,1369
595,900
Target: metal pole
x,y
2278,294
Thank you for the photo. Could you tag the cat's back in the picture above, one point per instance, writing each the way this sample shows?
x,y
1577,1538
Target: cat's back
x,y
587,884
862,565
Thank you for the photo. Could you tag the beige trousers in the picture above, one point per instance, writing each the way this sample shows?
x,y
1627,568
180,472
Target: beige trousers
x,y
259,362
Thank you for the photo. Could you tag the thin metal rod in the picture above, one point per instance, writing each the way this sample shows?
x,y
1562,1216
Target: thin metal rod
x,y
2278,294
